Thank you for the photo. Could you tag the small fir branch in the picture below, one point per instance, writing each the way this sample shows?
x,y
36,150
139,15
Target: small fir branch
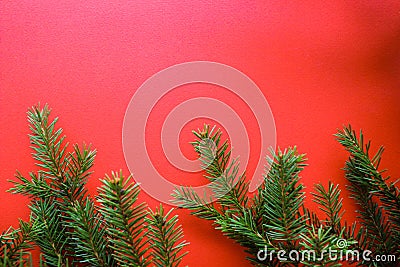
x,y
15,245
231,211
77,171
47,143
331,204
245,231
382,223
165,238
89,234
227,184
125,218
320,248
229,188
62,175
377,227
187,198
283,198
362,169
66,172
214,154
48,231
36,187
67,226
253,223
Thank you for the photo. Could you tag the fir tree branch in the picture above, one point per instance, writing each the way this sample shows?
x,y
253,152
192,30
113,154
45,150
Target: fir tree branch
x,y
67,226
321,247
15,245
229,187
362,170
64,171
231,210
89,234
187,198
118,197
77,171
283,198
48,231
331,204
244,230
48,144
378,231
36,187
165,238
62,176
367,181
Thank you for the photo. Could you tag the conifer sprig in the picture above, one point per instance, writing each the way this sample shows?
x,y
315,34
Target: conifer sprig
x,y
317,242
66,224
331,204
65,172
381,232
231,210
229,187
165,238
275,218
253,223
48,231
15,245
60,180
89,234
125,218
283,198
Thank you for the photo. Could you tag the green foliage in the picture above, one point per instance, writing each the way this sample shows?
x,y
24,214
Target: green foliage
x,y
66,172
377,197
276,217
331,204
65,223
89,234
164,236
15,246
124,220
320,241
49,233
71,230
230,211
282,199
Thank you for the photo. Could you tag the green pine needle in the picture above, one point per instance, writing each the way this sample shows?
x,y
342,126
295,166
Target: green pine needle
x,y
48,231
15,245
124,219
382,223
283,198
331,204
165,238
89,234
67,226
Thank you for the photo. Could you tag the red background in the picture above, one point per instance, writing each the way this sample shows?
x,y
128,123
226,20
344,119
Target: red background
x,y
320,64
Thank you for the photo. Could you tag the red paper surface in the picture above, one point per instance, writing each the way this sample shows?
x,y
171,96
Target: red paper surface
x,y
319,64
